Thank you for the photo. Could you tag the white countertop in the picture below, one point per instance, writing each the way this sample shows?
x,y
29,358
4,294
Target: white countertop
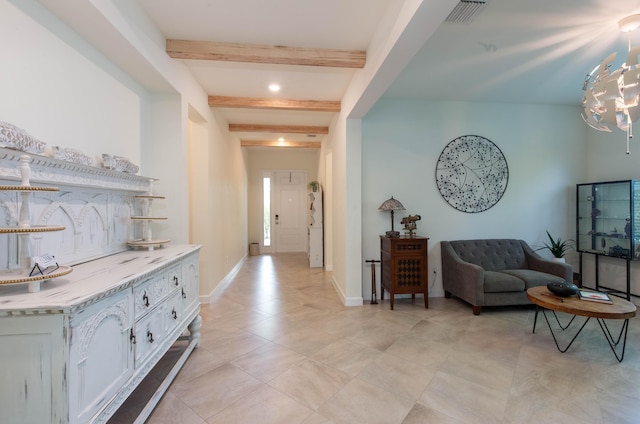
x,y
89,281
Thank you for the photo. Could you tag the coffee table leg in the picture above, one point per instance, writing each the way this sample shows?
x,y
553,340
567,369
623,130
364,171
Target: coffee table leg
x,y
554,335
535,319
614,343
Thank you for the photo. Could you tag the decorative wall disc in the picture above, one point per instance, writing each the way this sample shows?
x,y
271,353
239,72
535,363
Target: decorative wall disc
x,y
472,173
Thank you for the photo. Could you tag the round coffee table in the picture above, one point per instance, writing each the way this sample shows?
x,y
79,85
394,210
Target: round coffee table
x,y
620,309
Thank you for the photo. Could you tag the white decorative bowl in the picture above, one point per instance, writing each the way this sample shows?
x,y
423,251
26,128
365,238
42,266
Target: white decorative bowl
x,y
16,138
71,155
118,163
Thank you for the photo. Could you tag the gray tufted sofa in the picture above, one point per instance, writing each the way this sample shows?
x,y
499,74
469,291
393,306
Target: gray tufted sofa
x,y
496,272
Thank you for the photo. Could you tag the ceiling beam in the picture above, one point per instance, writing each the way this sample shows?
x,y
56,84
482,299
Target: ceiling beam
x,y
274,143
259,53
279,104
287,129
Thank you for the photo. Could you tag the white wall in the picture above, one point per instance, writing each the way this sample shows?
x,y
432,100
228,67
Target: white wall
x,y
544,147
62,97
61,89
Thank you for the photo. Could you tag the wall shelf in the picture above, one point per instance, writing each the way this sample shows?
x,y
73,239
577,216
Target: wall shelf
x,y
147,241
24,229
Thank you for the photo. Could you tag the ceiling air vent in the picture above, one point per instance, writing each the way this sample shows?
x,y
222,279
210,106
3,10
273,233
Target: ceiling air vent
x,y
466,11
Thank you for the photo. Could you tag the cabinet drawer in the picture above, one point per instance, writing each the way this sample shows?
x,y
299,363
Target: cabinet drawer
x,y
417,247
173,312
149,332
174,277
403,245
149,294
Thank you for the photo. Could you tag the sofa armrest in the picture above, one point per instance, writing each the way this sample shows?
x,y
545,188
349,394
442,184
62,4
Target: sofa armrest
x,y
538,263
462,279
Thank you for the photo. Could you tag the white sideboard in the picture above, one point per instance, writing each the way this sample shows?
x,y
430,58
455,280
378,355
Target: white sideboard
x,y
73,352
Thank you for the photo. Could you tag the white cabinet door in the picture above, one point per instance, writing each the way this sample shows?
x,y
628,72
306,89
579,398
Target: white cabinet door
x,y
190,286
101,354
32,349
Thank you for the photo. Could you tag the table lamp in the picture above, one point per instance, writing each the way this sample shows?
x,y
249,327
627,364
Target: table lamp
x,y
391,205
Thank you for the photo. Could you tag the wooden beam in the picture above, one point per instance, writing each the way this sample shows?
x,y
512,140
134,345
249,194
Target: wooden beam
x,y
280,104
259,53
287,129
275,143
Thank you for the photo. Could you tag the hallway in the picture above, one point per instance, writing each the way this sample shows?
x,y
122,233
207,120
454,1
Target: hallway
x,y
279,347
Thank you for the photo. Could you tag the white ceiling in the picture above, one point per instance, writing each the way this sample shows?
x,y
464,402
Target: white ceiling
x,y
524,51
519,51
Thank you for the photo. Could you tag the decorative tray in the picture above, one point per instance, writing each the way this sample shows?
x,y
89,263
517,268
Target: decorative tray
x,y
31,229
18,277
27,188
147,243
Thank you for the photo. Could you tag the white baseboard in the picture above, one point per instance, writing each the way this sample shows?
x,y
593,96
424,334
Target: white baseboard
x,y
346,301
224,283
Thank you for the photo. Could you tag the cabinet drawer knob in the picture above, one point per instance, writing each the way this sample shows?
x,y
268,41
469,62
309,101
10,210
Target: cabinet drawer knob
x,y
150,336
174,314
145,299
132,337
184,294
175,280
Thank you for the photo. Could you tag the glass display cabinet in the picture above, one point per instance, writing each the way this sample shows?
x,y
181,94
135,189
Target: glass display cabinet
x,y
608,221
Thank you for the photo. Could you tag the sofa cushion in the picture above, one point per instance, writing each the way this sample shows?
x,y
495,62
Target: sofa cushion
x,y
532,278
499,282
492,254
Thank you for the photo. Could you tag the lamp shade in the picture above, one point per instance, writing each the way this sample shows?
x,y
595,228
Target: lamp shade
x,y
391,205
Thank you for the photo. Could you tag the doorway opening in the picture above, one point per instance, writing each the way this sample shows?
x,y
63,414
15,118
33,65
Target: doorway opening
x,y
283,215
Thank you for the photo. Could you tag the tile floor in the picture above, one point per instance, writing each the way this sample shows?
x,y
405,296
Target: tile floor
x,y
279,347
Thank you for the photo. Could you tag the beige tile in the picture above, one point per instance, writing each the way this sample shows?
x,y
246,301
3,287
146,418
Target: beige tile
x,y
310,383
264,406
370,364
306,341
347,356
231,344
418,350
420,414
485,368
171,411
317,419
375,336
404,378
268,361
361,402
201,361
464,399
212,392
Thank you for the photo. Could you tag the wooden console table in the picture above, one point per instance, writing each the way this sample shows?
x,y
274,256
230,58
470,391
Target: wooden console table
x,y
404,266
74,351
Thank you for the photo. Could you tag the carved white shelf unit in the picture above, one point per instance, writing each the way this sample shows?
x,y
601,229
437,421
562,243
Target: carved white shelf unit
x,y
24,230
145,218
73,352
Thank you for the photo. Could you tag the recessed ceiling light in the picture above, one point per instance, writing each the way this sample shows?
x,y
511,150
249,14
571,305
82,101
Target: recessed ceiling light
x,y
274,87
281,139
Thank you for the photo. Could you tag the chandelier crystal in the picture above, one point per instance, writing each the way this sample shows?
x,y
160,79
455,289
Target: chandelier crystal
x,y
612,98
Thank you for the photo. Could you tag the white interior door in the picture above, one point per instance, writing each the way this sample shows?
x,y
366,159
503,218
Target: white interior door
x,y
289,211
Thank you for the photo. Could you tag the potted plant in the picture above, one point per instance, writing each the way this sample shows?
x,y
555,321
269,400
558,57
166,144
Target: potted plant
x,y
557,247
314,186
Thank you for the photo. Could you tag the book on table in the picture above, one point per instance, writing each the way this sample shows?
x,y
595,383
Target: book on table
x,y
594,296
